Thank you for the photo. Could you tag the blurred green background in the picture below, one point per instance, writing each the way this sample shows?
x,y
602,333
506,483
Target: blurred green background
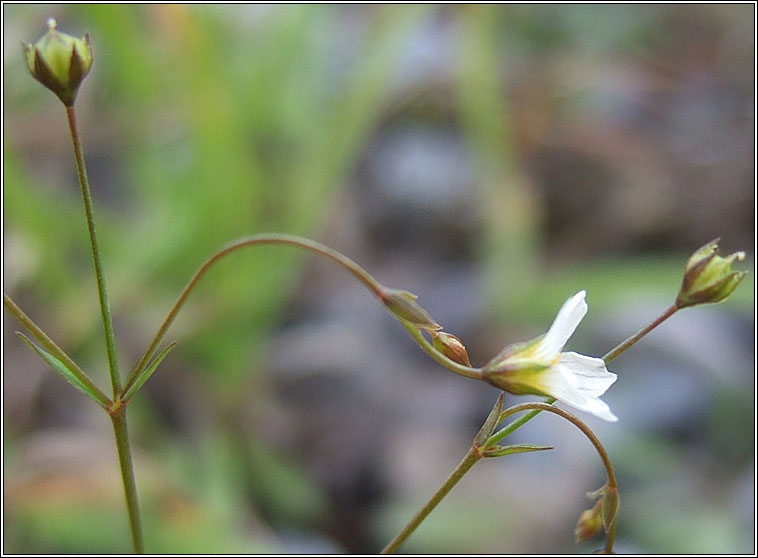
x,y
493,159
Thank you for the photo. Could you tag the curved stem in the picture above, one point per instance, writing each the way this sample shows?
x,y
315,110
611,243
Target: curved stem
x,y
576,422
466,463
429,349
55,350
268,238
102,291
516,424
611,476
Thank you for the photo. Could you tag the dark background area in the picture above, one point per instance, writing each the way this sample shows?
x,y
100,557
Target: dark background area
x,y
492,159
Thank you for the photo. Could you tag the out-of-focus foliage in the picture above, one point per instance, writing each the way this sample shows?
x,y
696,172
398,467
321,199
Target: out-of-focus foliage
x,y
492,159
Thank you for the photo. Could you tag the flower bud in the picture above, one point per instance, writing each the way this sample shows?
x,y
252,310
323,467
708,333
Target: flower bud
x,y
403,305
59,62
708,278
590,522
450,346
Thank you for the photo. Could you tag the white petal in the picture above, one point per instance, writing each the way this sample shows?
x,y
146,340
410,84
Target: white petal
x,y
564,325
579,390
592,377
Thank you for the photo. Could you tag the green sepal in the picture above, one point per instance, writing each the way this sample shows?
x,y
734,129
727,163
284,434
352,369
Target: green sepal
x,y
146,373
405,308
489,425
63,371
498,451
610,507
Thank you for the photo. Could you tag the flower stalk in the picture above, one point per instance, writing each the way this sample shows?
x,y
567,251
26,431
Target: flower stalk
x,y
118,414
121,435
461,469
401,305
102,290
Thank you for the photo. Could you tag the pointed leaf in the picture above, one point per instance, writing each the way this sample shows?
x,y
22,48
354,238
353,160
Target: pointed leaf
x,y
489,425
147,372
62,370
497,451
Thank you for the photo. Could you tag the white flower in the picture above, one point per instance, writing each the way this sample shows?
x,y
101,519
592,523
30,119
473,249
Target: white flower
x,y
539,366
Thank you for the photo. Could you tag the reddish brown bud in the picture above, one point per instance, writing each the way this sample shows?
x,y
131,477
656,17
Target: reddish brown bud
x,y
450,346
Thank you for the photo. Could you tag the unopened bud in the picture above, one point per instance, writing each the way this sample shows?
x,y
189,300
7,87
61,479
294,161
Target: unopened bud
x,y
590,522
708,278
59,62
403,305
450,346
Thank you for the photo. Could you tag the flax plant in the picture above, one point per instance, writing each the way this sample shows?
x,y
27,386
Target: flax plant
x,y
61,62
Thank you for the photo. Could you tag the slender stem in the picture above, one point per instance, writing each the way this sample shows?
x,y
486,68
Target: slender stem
x,y
118,410
118,418
466,463
55,350
272,238
516,424
574,420
105,309
429,349
624,345
610,538
612,484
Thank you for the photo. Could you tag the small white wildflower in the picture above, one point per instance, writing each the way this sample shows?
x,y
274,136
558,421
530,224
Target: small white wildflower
x,y
539,367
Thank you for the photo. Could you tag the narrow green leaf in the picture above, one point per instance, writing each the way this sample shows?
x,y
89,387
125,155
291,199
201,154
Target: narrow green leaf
x,y
497,451
63,371
146,373
489,425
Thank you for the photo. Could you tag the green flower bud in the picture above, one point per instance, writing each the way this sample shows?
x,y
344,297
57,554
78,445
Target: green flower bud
x,y
59,62
590,522
450,346
403,305
708,278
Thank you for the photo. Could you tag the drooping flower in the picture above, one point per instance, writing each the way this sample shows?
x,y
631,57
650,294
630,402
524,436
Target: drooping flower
x,y
539,367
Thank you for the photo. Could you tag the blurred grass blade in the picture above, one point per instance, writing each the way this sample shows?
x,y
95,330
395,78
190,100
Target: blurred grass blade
x,y
63,371
498,451
146,373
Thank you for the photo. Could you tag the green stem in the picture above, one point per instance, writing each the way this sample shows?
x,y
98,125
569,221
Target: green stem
x,y
105,309
516,424
624,345
576,422
54,349
451,365
610,538
118,410
611,476
270,238
118,418
466,463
